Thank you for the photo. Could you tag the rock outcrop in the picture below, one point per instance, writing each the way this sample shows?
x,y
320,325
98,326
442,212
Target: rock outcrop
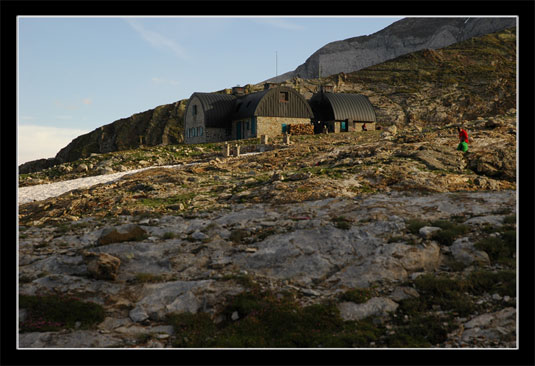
x,y
400,38
162,125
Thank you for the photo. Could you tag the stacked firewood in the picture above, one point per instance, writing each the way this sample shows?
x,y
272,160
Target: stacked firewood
x,y
299,129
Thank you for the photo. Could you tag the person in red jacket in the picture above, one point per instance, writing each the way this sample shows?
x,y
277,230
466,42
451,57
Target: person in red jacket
x,y
463,139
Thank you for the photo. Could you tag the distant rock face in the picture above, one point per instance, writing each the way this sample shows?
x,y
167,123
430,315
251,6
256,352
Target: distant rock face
x,y
402,37
161,125
36,165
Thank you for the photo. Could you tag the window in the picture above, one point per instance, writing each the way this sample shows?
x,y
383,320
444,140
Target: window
x,y
187,133
194,110
283,96
200,129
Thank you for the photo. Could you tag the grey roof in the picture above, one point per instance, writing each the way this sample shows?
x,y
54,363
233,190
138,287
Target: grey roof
x,y
217,108
246,105
341,106
266,103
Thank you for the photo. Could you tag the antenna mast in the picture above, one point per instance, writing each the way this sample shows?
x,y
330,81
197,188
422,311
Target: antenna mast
x,y
276,64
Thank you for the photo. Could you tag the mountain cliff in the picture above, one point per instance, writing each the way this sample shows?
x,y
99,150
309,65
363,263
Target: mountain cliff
x,y
402,37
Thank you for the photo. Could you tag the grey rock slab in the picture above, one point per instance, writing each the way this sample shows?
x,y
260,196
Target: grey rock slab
x,y
143,257
480,220
66,283
463,251
376,306
389,262
491,326
59,264
138,314
135,330
110,323
76,339
306,254
157,300
402,293
197,235
241,217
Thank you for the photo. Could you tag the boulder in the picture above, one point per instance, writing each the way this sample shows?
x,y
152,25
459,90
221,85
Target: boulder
x,y
426,232
463,251
402,293
123,233
376,306
82,168
102,266
161,299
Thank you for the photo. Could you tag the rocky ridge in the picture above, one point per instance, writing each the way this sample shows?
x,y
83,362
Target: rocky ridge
x,y
402,37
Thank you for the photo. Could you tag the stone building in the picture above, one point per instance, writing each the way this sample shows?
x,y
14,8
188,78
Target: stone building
x,y
269,112
342,112
208,117
211,117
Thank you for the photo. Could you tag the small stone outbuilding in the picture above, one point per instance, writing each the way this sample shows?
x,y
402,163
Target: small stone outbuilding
x,y
342,112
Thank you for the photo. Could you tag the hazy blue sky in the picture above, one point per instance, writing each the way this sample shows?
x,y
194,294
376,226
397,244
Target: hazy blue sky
x,y
78,73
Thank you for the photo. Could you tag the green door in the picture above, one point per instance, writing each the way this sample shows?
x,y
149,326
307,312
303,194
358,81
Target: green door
x,y
343,127
238,130
253,126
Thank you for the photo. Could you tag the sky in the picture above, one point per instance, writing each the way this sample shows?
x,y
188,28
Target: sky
x,y
75,74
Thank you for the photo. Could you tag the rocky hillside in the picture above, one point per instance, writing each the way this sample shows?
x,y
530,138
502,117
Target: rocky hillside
x,y
402,37
470,79
386,238
161,125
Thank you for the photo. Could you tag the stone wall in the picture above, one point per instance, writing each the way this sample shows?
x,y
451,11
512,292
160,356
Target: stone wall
x,y
272,126
194,121
216,135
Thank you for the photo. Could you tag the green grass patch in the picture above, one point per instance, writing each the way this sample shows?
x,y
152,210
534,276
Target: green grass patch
x,y
421,331
185,199
501,250
358,296
511,219
502,282
169,235
445,292
56,312
414,225
450,231
272,320
239,235
342,223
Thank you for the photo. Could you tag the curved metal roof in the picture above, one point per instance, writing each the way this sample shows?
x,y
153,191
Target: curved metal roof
x,y
353,107
266,103
217,108
246,105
